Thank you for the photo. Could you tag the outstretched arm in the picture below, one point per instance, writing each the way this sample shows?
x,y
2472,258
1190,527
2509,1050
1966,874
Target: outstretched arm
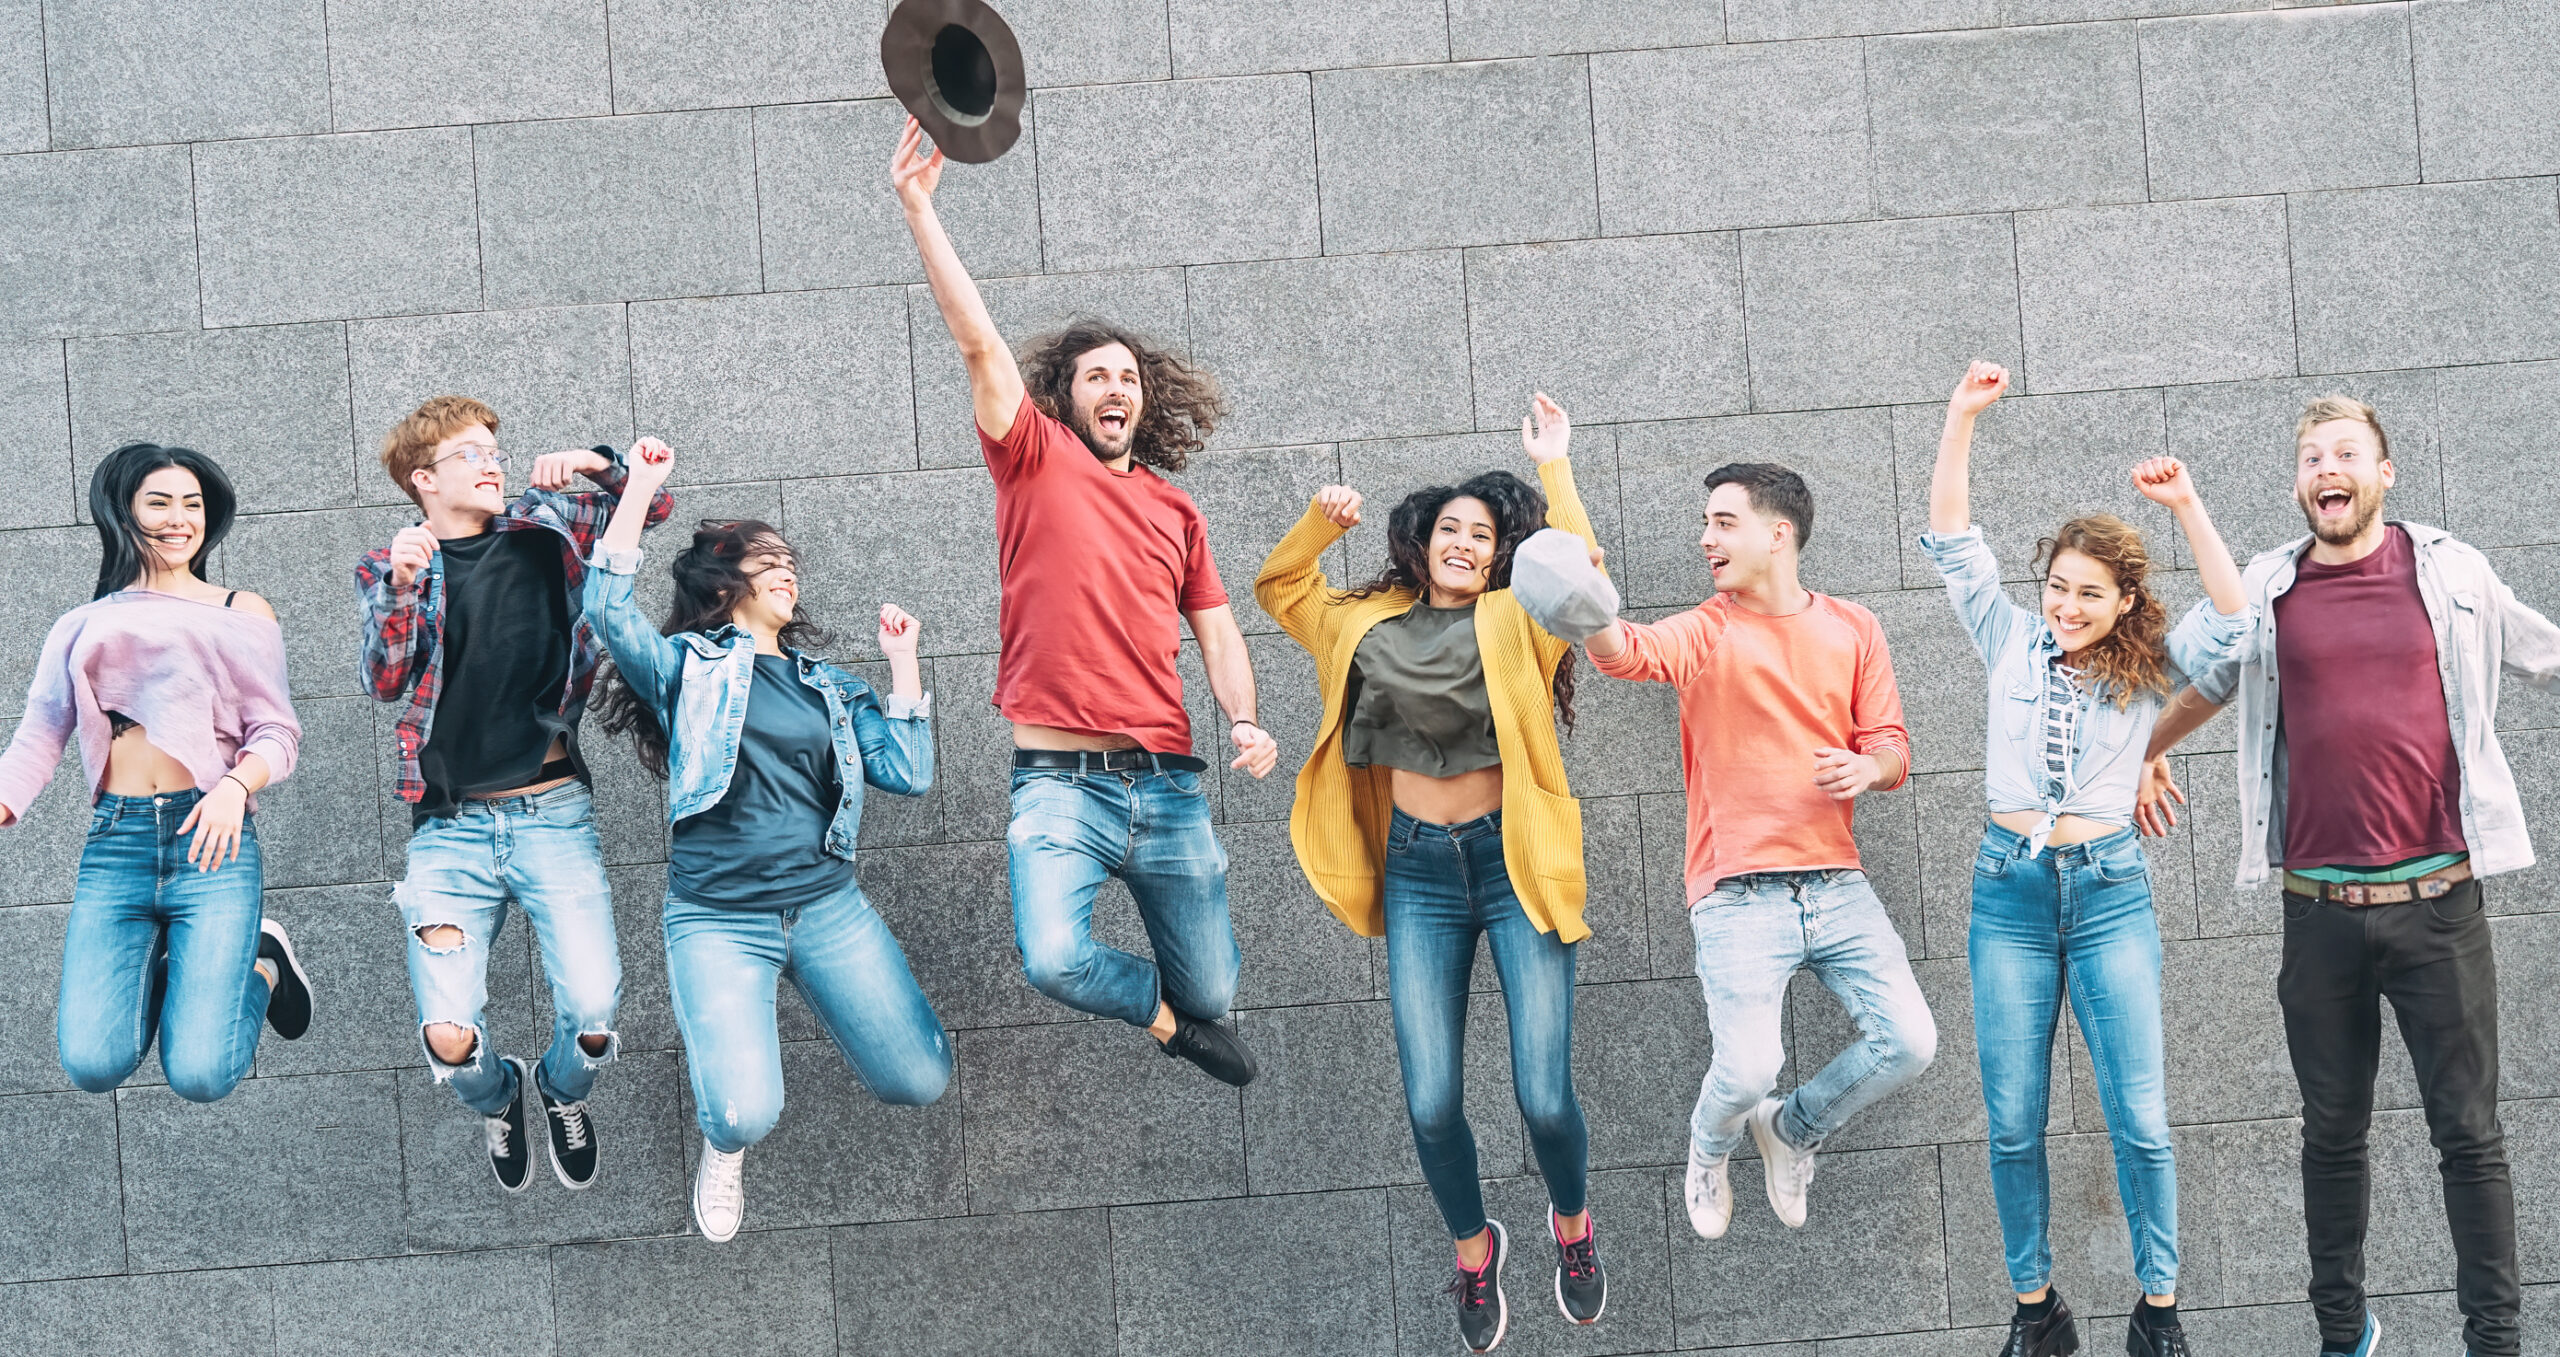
x,y
1231,682
995,384
1950,505
2164,481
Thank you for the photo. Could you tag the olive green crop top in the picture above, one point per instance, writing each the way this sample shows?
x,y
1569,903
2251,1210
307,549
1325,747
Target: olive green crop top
x,y
1417,699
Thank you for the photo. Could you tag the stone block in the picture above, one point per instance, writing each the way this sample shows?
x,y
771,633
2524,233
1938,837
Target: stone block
x,y
679,54
120,72
1323,1257
2493,465
828,217
2237,1069
317,228
1269,330
1328,1109
1188,172
1877,312
1619,947
973,763
2223,908
1251,500
1942,702
2488,106
1771,20
894,1282
1625,737
1245,37
1630,1210
2239,437
1704,138
1285,694
40,856
1091,42
376,1305
47,488
2158,293
25,118
1845,457
268,404
1639,1050
2247,1187
281,1171
64,1173
2277,103
1295,951
28,1059
303,565
200,1314
771,1291
2468,278
351,941
1048,1119
630,801
918,540
1420,156
2038,462
642,1187
413,63
840,1155
2528,1044
577,211
1561,318
556,378
1479,29
98,244
778,386
2007,118
312,827
1873,1249
1151,304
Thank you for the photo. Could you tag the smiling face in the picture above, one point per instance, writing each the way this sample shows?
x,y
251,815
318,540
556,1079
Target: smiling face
x,y
2339,476
1741,543
1463,542
2082,602
774,575
168,512
1108,400
459,479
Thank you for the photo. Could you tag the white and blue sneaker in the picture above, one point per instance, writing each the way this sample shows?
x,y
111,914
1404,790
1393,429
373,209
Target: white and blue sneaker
x,y
2365,1346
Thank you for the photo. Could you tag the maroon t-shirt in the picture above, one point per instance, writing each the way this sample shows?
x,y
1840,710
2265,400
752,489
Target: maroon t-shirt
x,y
2371,777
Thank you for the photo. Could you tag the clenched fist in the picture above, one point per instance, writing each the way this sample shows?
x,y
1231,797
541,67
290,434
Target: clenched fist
x,y
410,553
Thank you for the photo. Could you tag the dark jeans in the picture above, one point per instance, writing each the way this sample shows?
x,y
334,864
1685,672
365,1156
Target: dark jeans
x,y
2432,959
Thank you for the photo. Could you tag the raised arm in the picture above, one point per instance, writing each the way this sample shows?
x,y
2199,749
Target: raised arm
x,y
644,657
897,735
1292,587
1950,499
2164,481
995,384
1546,434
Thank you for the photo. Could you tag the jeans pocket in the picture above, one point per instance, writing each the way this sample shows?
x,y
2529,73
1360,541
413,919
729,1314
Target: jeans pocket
x,y
1987,862
2122,863
2298,907
1400,837
100,820
2456,907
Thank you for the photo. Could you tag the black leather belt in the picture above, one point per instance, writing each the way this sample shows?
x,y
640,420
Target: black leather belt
x,y
1108,760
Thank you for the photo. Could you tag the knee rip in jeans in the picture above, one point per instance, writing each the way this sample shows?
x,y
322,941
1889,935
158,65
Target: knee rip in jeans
x,y
439,1037
598,1046
441,939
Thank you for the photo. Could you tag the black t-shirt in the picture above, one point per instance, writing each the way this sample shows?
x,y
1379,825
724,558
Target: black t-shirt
x,y
506,664
763,846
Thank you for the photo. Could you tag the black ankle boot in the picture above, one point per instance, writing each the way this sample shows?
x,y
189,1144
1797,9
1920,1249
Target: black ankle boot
x,y
2043,1331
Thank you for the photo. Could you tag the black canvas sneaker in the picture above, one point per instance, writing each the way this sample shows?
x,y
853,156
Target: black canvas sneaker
x,y
510,1154
289,999
573,1141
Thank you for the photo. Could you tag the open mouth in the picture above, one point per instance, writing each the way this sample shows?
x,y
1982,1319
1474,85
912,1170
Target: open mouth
x,y
1717,561
174,543
2070,626
2333,501
1458,564
1112,419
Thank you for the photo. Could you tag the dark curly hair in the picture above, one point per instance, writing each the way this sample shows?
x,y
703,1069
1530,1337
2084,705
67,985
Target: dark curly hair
x,y
1518,511
709,587
1180,404
2133,659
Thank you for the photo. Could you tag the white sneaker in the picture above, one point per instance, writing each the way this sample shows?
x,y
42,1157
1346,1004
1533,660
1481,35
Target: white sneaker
x,y
1790,1170
719,1193
1710,1194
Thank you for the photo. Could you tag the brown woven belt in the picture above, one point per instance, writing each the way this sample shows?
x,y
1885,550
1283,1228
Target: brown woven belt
x,y
2434,885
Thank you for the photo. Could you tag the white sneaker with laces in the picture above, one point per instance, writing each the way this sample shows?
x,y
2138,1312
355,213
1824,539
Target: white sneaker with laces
x,y
1789,1169
719,1193
1710,1194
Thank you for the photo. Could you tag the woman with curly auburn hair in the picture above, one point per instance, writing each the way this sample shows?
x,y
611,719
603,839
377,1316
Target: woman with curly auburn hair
x,y
2061,889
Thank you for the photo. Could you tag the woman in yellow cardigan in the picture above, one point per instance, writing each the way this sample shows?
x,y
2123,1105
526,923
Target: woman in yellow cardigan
x,y
1433,809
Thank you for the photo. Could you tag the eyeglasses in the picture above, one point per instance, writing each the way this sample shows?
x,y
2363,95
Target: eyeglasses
x,y
474,455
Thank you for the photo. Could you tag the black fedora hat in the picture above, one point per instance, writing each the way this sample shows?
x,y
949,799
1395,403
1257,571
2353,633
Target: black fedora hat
x,y
956,66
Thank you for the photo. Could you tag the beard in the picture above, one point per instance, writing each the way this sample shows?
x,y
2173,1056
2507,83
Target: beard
x,y
1099,443
2366,507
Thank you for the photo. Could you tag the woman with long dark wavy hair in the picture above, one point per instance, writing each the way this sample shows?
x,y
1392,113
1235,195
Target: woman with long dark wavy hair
x,y
1433,810
766,750
2061,888
176,688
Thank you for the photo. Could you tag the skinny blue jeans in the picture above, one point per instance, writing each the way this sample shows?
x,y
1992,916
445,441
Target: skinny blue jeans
x,y
1445,884
155,947
2075,920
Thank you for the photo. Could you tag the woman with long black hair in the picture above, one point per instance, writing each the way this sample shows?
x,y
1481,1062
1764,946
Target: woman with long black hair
x,y
766,750
176,688
1433,810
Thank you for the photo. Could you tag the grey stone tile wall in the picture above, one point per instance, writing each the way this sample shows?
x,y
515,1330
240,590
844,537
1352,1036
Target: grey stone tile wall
x,y
1713,229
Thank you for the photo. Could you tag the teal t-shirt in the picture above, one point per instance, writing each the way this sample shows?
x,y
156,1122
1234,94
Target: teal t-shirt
x,y
763,846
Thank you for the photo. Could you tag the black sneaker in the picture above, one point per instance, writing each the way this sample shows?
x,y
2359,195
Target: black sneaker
x,y
2055,1335
2154,1333
510,1154
1483,1315
1582,1289
1213,1048
573,1141
289,999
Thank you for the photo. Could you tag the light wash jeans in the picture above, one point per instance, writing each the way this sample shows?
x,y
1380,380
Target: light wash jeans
x,y
1150,829
2077,918
723,968
540,852
1446,884
156,947
1753,933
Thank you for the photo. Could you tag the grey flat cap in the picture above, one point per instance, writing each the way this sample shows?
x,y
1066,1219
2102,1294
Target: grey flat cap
x,y
1552,576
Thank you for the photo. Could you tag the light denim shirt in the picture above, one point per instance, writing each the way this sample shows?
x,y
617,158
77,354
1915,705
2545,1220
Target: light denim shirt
x,y
2481,631
2017,646
697,685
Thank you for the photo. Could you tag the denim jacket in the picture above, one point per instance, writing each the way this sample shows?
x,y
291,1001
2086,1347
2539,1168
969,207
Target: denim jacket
x,y
2017,646
697,683
2481,630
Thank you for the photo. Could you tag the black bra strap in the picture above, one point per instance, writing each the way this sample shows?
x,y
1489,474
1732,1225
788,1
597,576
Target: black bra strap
x,y
226,598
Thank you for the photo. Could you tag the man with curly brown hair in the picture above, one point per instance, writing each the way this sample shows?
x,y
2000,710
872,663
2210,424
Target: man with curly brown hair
x,y
1102,561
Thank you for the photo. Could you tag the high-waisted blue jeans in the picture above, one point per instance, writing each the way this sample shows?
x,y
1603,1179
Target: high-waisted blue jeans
x,y
156,947
2078,920
1444,885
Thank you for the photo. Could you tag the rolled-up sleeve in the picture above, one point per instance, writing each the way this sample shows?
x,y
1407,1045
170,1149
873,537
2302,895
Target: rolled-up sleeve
x,y
1964,561
2206,637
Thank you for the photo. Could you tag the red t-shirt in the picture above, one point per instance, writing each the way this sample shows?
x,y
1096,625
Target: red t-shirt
x,y
2371,776
1099,567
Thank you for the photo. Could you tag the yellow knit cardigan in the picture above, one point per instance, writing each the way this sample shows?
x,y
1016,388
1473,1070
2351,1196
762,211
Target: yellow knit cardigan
x,y
1339,821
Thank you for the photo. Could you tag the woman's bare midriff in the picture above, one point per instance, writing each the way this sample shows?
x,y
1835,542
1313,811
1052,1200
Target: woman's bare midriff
x,y
1448,800
2070,829
137,767
1027,736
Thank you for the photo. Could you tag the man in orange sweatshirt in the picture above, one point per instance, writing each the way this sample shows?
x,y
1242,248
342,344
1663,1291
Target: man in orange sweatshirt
x,y
1788,712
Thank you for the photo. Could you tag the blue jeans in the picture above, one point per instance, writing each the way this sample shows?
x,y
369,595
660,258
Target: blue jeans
x,y
1150,829
723,966
1753,932
1444,885
155,946
2079,919
539,851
